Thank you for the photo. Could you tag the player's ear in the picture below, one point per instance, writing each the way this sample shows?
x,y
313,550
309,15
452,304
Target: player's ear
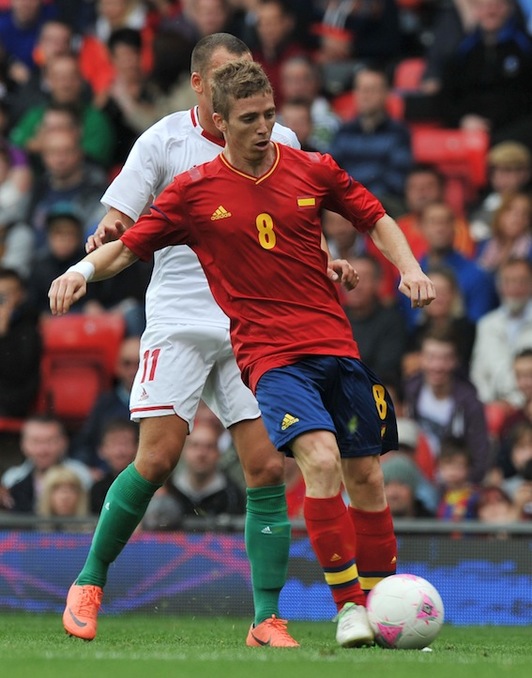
x,y
219,122
196,82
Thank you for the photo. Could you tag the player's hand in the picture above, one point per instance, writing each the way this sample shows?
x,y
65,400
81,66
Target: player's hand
x,y
104,233
418,287
340,270
65,291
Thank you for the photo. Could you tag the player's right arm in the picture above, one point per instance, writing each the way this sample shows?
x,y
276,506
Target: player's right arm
x,y
104,262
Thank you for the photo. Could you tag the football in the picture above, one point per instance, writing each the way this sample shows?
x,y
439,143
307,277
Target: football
x,y
405,612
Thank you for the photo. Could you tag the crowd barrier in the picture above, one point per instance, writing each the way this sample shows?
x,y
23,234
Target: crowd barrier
x,y
484,574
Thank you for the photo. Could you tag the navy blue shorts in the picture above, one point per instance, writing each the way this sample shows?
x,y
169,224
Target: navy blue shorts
x,y
326,393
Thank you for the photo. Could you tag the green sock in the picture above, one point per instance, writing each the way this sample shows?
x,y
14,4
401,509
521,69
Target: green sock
x,y
125,503
267,546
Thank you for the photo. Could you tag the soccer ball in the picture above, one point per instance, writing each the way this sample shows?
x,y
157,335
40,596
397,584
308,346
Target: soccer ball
x,y
405,612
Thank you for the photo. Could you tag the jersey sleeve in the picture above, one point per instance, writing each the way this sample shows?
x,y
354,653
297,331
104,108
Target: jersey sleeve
x,y
349,197
164,225
134,187
284,135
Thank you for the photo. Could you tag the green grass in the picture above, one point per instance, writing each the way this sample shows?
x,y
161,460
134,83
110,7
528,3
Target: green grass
x,y
35,646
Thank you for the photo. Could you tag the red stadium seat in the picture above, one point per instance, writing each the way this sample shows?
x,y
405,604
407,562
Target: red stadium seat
x,y
454,151
408,73
460,155
78,363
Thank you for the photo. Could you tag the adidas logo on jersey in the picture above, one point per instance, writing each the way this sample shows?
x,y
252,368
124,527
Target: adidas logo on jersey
x,y
288,420
220,213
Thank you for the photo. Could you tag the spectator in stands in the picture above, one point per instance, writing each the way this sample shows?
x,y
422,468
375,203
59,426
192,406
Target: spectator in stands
x,y
373,147
458,496
401,480
44,444
424,185
16,237
20,347
55,38
19,30
56,118
296,115
444,403
502,334
63,495
128,90
356,33
205,17
200,488
341,236
380,330
67,178
509,165
63,246
452,22
445,312
522,367
117,450
486,81
169,81
115,14
301,81
276,41
109,406
511,233
495,507
476,286
523,494
66,86
520,457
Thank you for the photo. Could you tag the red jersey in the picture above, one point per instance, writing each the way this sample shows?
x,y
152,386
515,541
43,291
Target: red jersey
x,y
258,241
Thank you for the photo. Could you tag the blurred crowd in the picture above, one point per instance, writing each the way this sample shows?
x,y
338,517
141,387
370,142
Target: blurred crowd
x,y
79,82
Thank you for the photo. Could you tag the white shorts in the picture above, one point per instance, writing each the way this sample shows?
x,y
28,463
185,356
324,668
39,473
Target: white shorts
x,y
181,364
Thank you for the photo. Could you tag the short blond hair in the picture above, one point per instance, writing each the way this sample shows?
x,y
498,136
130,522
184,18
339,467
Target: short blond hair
x,y
237,80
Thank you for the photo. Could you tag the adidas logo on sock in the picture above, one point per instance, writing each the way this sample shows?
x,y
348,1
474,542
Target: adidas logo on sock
x,y
220,213
267,530
288,420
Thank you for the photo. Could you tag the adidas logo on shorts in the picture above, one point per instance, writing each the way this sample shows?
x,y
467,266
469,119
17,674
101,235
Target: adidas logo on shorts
x,y
288,420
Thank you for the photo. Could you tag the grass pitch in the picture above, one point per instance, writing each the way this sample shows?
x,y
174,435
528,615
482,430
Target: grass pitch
x,y
157,646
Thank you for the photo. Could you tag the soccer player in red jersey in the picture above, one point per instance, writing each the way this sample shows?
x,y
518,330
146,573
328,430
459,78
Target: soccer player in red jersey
x,y
252,215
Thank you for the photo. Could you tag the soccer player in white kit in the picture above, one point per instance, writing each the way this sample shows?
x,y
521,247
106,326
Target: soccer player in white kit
x,y
186,355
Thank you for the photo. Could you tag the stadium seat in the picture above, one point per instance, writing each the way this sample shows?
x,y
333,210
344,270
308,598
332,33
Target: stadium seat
x,y
344,105
407,75
78,362
454,151
460,155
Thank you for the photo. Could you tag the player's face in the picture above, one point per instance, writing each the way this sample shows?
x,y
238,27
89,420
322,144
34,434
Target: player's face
x,y
249,126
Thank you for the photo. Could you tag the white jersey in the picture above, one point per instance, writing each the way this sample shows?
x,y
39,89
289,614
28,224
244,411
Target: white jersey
x,y
178,291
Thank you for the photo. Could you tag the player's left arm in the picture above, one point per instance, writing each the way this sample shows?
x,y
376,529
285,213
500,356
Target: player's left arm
x,y
391,241
104,262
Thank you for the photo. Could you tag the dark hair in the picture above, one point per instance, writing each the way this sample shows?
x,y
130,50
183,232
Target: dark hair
x,y
426,168
452,447
11,274
120,424
446,335
206,46
125,36
524,353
